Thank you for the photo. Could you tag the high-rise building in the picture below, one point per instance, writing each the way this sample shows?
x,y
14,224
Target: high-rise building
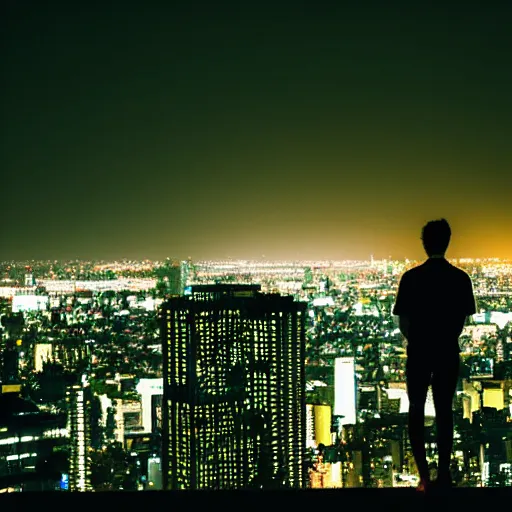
x,y
171,277
310,426
79,398
29,278
29,438
74,354
43,353
147,389
322,415
30,441
345,390
318,425
9,376
234,410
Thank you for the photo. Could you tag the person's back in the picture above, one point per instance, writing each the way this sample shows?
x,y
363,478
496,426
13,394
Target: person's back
x,y
436,297
433,302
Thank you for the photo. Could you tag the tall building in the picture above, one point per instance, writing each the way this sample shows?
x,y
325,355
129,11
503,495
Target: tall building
x,y
345,390
171,278
30,441
234,410
322,415
310,426
318,425
9,375
29,278
43,353
78,397
148,389
74,354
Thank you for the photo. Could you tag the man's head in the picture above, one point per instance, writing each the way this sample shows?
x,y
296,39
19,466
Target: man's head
x,y
436,237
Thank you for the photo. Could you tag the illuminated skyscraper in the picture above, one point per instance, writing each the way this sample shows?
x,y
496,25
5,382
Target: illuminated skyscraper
x,y
29,278
78,397
234,413
9,376
29,438
148,389
29,441
345,390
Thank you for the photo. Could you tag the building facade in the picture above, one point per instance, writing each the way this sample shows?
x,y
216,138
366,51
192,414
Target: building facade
x,y
29,445
234,411
78,397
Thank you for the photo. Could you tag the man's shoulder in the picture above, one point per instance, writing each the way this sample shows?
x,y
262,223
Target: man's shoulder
x,y
458,272
444,271
406,276
414,271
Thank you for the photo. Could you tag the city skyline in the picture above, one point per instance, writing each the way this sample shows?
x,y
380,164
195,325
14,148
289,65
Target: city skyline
x,y
175,369
313,131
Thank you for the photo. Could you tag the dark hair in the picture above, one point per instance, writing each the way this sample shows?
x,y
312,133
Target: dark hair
x,y
436,236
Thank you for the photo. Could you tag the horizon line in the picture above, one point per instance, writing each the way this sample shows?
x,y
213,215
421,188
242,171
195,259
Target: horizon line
x,y
261,259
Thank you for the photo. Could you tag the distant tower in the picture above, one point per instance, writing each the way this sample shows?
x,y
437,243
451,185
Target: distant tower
x,y
79,397
170,281
13,325
499,351
186,268
10,377
29,277
234,412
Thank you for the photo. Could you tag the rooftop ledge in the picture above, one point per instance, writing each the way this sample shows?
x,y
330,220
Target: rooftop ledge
x,y
464,499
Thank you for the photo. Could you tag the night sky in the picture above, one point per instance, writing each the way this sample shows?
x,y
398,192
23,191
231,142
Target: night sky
x,y
305,129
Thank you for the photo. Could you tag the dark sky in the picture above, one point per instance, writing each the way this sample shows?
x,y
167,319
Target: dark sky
x,y
305,129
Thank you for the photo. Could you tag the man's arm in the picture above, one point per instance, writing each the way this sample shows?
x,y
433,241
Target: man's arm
x,y
470,298
401,306
471,302
403,325
468,306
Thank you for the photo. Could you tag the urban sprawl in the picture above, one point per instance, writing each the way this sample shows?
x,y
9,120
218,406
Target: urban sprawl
x,y
235,374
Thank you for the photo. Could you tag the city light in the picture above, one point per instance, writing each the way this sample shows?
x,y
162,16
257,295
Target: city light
x,y
108,334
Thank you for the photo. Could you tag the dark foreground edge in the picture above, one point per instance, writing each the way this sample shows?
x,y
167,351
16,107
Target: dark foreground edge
x,y
460,500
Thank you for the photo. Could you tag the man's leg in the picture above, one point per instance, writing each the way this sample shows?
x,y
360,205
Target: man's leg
x,y
444,384
418,380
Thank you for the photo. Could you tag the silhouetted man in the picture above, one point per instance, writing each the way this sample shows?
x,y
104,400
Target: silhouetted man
x,y
433,301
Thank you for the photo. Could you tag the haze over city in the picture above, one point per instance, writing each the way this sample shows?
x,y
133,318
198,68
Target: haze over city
x,y
243,129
